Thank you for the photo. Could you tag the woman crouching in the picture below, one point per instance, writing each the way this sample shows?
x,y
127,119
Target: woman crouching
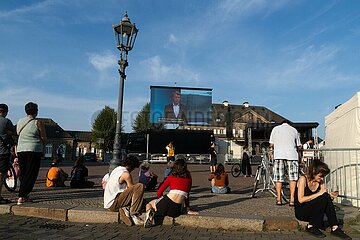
x,y
313,201
171,204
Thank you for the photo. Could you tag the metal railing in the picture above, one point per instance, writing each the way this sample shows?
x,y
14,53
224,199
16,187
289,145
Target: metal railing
x,y
344,164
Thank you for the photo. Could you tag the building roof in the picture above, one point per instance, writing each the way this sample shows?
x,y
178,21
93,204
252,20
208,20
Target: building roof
x,y
53,130
244,114
82,136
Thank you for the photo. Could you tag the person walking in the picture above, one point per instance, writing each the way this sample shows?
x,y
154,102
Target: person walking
x,y
213,157
7,130
245,164
313,201
32,138
285,141
122,195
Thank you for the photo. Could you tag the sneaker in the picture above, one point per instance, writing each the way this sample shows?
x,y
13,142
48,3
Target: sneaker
x,y
149,218
125,216
315,232
137,220
22,200
340,234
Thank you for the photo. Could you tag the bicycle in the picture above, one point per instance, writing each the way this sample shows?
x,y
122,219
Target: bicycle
x,y
236,169
264,174
11,179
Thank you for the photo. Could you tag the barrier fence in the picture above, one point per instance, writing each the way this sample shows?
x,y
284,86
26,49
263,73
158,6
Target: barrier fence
x,y
344,164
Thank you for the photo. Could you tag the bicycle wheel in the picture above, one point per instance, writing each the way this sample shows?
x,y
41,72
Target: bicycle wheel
x,y
256,181
10,182
235,170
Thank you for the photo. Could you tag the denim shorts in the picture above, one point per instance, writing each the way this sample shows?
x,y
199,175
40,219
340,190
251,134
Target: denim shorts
x,y
216,189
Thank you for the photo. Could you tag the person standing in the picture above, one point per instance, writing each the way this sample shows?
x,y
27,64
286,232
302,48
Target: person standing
x,y
285,141
122,195
7,130
170,152
213,157
32,138
245,163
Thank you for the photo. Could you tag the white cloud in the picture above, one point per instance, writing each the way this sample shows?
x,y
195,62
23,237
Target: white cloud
x,y
244,8
173,38
159,72
103,61
28,9
313,67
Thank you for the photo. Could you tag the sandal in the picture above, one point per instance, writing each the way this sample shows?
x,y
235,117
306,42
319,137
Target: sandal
x,y
4,201
291,204
279,203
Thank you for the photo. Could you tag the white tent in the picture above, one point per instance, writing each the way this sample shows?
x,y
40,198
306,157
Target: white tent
x,y
342,154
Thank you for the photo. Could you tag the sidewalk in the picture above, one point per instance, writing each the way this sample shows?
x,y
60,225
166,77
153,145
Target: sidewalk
x,y
235,211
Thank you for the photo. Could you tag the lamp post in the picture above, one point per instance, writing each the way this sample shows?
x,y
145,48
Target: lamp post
x,y
125,36
228,126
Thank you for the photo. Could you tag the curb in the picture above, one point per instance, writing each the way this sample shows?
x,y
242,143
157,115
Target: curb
x,y
98,215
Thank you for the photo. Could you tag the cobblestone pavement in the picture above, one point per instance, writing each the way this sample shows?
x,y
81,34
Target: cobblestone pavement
x,y
16,227
237,204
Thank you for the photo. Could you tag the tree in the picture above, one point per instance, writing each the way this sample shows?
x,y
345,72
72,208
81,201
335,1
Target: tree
x,y
104,128
142,120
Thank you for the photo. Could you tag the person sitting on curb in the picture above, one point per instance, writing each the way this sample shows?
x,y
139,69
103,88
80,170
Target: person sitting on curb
x,y
313,201
219,180
147,177
171,204
55,177
122,195
79,175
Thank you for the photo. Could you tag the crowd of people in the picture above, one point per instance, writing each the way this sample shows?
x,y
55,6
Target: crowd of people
x,y
308,194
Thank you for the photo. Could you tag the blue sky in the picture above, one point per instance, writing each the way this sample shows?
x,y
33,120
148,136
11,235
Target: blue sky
x,y
297,58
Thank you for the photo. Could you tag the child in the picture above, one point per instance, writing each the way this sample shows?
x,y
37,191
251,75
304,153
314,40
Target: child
x,y
147,177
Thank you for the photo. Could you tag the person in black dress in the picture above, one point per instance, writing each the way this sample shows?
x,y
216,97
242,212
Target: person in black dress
x,y
313,201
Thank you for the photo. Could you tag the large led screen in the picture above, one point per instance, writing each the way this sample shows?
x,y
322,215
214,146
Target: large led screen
x,y
180,106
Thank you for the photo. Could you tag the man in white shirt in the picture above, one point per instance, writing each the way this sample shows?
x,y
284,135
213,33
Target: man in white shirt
x,y
121,194
285,141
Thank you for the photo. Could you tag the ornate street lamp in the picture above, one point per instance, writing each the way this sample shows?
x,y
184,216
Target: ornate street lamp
x,y
125,36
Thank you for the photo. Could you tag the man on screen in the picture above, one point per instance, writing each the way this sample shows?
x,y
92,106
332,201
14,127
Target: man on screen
x,y
175,111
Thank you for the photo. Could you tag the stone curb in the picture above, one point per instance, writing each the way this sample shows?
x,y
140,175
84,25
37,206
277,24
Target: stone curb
x,y
97,215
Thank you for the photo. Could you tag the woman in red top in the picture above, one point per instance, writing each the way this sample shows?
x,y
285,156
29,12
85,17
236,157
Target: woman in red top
x,y
171,204
219,180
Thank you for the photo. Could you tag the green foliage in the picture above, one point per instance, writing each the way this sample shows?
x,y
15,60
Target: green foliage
x,y
104,127
142,120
